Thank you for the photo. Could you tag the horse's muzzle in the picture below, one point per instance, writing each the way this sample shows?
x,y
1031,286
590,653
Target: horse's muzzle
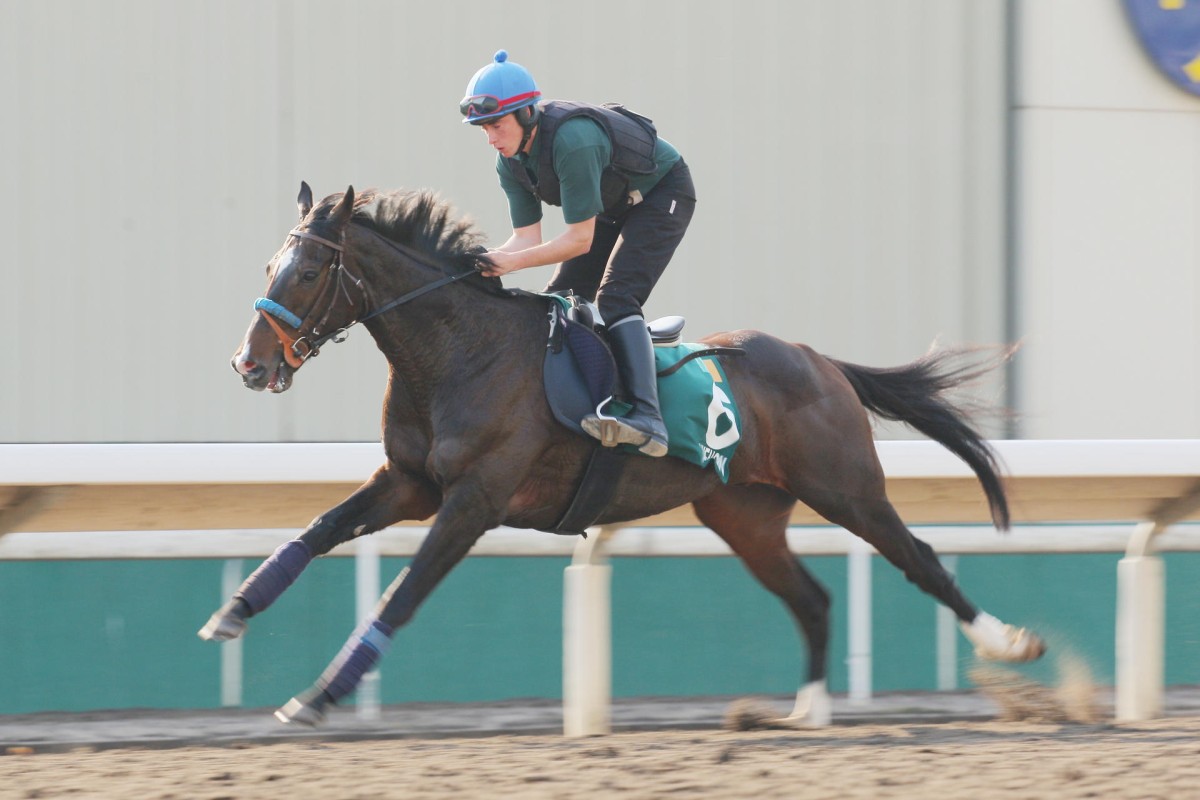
x,y
256,376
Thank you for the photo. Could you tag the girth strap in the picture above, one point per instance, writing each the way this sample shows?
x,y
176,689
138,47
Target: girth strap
x,y
595,492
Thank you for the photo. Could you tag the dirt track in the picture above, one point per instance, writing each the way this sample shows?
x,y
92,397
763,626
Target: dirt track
x,y
975,760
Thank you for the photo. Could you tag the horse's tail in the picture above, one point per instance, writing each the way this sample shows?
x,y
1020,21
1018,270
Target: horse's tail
x,y
915,395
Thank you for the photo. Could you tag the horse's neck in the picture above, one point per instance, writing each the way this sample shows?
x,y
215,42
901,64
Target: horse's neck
x,y
450,331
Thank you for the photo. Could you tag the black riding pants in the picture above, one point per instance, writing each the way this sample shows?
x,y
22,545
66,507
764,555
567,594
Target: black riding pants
x,y
630,252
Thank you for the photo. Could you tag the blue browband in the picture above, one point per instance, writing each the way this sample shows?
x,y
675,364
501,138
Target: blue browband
x,y
278,312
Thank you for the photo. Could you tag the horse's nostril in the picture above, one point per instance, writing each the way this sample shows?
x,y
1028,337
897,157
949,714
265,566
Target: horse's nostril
x,y
247,368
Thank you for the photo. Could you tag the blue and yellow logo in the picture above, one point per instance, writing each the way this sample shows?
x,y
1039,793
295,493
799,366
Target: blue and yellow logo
x,y
1170,33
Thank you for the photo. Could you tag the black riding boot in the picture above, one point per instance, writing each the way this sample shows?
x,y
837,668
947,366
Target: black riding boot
x,y
643,426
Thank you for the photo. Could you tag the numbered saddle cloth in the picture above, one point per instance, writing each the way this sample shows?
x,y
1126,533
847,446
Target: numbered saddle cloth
x,y
697,405
696,402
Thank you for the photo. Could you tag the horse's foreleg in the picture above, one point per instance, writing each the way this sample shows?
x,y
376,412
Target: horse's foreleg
x,y
449,540
383,500
262,588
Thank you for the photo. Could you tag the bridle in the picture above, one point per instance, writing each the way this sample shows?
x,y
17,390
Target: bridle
x,y
299,348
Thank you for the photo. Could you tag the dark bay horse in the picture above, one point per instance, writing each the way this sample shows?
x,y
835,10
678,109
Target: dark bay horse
x,y
469,436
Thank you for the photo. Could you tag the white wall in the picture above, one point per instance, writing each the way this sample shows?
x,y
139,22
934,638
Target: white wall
x,y
1108,154
849,158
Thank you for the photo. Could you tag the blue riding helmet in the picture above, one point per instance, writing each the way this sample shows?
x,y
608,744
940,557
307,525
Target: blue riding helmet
x,y
500,88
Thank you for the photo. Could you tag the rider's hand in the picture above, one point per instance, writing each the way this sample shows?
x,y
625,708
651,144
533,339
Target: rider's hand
x,y
502,263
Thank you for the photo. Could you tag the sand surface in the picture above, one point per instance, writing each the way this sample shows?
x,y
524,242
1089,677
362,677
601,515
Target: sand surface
x,y
976,760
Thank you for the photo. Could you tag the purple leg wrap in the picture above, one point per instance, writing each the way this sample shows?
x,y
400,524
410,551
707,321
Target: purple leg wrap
x,y
358,656
275,574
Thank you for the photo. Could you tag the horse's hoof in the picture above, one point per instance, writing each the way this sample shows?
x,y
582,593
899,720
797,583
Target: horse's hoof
x,y
1023,645
801,723
300,713
813,708
1035,646
995,641
225,624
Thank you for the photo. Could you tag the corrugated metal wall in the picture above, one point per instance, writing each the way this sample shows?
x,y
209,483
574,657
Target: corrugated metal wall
x,y
849,159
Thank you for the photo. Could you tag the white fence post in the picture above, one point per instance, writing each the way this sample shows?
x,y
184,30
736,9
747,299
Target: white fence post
x,y
587,639
231,650
1141,622
947,638
1141,626
366,592
1141,613
858,661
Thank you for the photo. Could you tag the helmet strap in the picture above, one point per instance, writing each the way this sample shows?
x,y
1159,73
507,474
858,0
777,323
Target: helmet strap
x,y
526,137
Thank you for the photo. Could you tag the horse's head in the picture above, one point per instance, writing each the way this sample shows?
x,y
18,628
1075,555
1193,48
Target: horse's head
x,y
309,299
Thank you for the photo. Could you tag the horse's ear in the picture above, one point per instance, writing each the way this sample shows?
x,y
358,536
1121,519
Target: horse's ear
x,y
304,200
344,209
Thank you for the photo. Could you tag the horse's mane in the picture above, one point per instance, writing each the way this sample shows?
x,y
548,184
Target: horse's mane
x,y
417,218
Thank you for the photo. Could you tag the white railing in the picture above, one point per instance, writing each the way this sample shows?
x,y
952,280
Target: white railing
x,y
141,498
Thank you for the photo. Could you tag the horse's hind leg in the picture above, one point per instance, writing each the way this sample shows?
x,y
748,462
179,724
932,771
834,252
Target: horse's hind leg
x,y
383,500
860,505
753,521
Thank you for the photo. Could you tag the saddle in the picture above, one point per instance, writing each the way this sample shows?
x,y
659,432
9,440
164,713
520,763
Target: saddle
x,y
580,372
581,377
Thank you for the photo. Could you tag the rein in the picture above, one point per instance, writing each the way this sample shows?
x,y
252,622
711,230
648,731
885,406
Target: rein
x,y
415,293
274,312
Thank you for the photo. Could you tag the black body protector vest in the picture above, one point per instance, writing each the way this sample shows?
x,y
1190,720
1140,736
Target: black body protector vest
x,y
633,140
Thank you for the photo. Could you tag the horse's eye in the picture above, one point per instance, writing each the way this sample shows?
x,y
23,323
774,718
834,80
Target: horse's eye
x,y
309,275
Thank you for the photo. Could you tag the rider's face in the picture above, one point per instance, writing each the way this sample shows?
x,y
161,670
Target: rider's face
x,y
504,134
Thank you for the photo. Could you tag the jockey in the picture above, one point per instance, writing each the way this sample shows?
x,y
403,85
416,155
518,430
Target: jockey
x,y
627,198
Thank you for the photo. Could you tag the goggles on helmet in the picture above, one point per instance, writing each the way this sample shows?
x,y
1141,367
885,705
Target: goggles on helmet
x,y
484,105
